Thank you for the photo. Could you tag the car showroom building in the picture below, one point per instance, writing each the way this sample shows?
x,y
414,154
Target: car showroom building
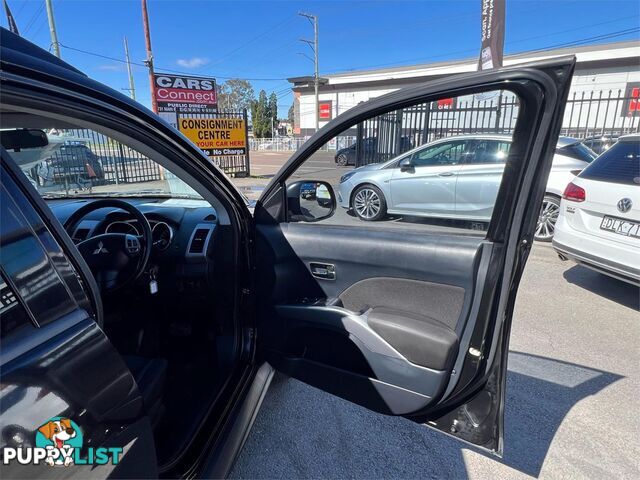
x,y
606,82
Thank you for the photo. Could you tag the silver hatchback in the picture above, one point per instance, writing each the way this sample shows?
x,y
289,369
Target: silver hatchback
x,y
454,178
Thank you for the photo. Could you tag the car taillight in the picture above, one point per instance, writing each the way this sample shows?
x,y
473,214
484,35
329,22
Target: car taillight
x,y
574,193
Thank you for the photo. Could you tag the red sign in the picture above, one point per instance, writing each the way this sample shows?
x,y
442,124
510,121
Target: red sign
x,y
324,110
445,104
632,101
185,95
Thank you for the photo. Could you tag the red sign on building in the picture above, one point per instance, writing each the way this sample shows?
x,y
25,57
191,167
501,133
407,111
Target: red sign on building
x,y
631,107
325,110
445,104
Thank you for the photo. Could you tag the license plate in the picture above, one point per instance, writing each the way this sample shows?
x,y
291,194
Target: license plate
x,y
621,227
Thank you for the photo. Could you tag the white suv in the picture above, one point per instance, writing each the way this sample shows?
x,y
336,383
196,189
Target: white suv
x,y
599,221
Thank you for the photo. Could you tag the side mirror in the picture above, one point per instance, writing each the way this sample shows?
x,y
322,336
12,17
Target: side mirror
x,y
406,165
310,201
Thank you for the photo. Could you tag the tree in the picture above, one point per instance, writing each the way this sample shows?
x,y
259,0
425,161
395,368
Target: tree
x,y
260,116
235,94
273,108
291,115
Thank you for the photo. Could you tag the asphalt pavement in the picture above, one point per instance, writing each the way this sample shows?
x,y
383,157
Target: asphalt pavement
x,y
571,401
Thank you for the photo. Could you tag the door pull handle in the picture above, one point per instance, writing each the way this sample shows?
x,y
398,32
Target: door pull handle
x,y
325,271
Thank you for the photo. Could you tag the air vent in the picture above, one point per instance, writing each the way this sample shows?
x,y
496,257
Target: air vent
x,y
80,234
199,240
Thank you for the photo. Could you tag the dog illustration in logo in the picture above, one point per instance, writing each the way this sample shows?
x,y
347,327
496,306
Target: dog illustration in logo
x,y
58,432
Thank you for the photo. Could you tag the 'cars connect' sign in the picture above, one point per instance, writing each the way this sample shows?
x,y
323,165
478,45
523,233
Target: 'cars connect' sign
x,y
216,136
183,94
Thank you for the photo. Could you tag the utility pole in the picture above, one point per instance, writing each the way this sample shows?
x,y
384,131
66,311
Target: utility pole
x,y
149,61
132,87
314,46
52,29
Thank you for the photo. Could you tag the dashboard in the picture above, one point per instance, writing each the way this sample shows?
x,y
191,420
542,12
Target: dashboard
x,y
184,234
161,232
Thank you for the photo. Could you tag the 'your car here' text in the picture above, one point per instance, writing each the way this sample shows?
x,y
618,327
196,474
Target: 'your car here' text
x,y
216,136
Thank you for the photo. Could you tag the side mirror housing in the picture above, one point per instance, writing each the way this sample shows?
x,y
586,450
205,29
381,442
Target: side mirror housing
x,y
310,201
406,165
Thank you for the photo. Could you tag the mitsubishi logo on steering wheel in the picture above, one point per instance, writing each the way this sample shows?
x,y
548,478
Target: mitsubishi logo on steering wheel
x,y
100,249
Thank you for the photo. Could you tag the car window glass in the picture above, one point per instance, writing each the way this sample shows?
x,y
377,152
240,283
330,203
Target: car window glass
x,y
83,161
619,164
488,152
442,154
376,186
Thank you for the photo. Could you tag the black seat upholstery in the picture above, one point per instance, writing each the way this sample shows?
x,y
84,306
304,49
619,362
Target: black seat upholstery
x,y
150,375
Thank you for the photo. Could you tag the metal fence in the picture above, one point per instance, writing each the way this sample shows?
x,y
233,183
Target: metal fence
x,y
85,157
587,114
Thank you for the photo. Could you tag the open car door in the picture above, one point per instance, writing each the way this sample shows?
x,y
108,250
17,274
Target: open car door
x,y
409,316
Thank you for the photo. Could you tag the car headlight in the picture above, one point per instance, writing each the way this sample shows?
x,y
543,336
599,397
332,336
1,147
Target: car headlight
x,y
346,176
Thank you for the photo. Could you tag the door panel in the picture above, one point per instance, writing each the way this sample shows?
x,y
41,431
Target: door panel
x,y
55,359
428,190
400,303
479,178
429,187
402,320
476,190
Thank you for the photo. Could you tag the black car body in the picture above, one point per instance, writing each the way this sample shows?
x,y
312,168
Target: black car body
x,y
164,351
74,161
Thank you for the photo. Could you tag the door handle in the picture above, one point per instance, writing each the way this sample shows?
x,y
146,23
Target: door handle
x,y
446,174
325,271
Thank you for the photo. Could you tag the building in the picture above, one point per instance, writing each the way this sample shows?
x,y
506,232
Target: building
x,y
611,70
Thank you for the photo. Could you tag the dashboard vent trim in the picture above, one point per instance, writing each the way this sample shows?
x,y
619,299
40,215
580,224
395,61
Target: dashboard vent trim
x,y
199,241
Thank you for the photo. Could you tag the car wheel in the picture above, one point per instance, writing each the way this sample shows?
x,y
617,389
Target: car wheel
x,y
342,159
369,203
547,218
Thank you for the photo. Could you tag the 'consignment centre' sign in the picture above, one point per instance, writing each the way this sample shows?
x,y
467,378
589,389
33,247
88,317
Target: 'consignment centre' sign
x,y
216,136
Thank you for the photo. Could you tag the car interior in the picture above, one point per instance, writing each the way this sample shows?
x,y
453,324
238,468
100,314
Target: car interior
x,y
168,301
402,320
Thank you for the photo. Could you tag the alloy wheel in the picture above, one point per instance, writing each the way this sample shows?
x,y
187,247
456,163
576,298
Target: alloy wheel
x,y
342,159
547,219
367,203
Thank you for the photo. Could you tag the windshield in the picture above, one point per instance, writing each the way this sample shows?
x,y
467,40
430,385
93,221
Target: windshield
x,y
83,162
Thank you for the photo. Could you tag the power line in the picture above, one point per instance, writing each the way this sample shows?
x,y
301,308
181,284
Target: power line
x,y
168,70
548,47
34,17
249,42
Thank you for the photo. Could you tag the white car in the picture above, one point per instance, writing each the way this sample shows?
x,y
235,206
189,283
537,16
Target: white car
x,y
599,221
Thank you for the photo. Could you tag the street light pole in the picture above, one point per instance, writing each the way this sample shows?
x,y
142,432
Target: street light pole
x,y
52,29
314,45
132,87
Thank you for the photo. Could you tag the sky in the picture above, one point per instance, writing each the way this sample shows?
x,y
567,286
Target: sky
x,y
259,41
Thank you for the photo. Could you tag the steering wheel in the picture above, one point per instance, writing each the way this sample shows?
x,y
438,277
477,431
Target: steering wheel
x,y
115,259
